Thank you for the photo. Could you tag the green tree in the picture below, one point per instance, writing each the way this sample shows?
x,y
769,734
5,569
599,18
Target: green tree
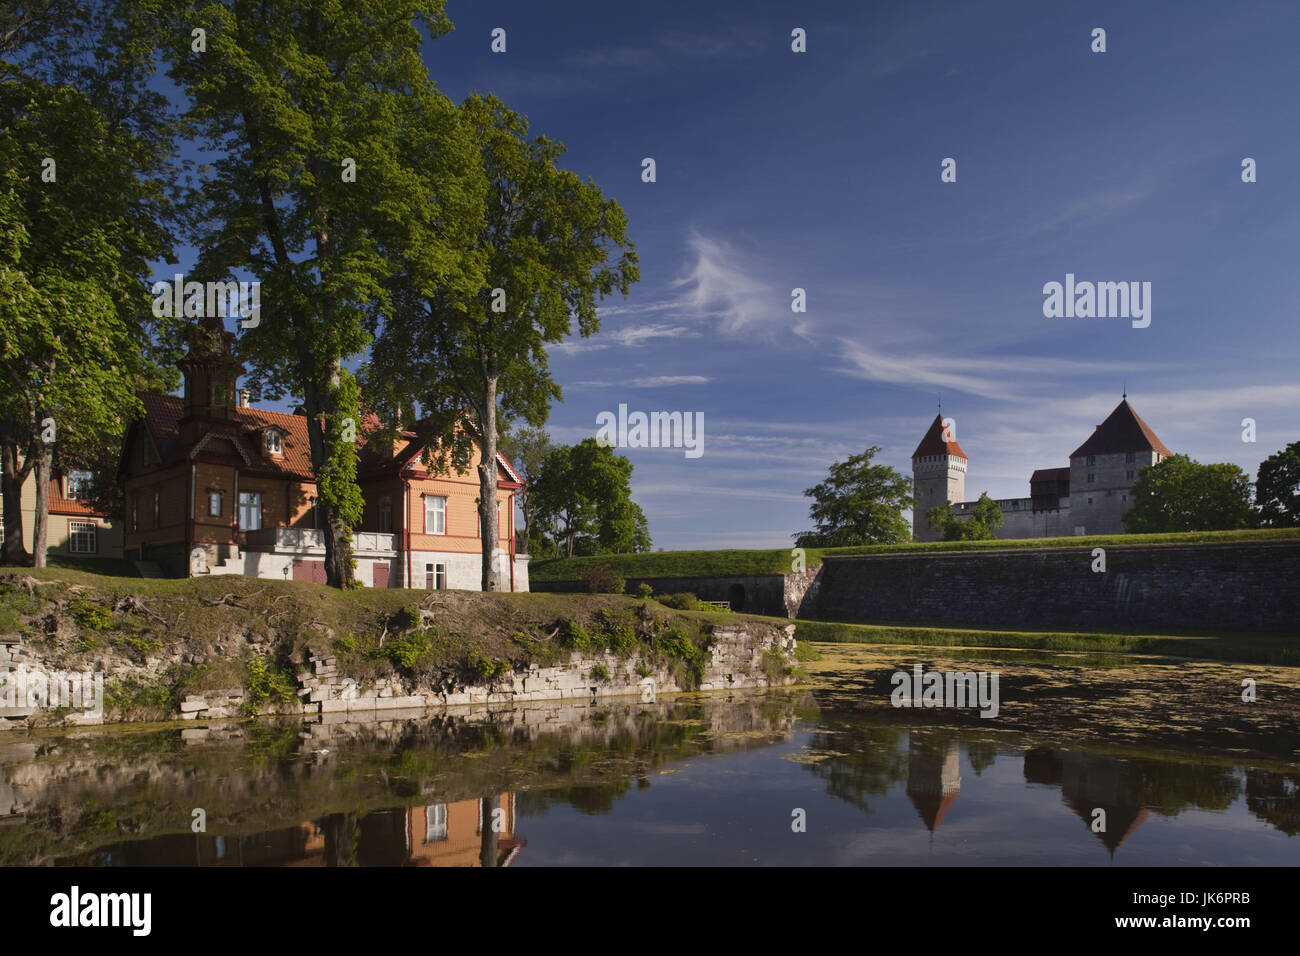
x,y
544,238
86,156
583,494
858,503
337,152
985,519
1277,488
527,449
1179,494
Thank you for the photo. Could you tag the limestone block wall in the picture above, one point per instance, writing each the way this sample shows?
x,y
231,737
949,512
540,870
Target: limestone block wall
x,y
1231,586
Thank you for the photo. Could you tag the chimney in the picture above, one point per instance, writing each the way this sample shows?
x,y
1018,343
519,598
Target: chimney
x,y
243,398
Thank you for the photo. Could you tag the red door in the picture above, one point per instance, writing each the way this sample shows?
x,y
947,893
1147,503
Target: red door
x,y
309,571
381,575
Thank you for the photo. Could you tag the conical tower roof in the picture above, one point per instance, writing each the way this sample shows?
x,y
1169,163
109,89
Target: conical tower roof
x,y
1122,431
933,443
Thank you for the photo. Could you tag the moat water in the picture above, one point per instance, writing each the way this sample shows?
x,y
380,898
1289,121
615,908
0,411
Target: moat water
x,y
765,778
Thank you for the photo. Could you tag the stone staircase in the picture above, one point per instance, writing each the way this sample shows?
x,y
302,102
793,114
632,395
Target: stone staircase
x,y
149,569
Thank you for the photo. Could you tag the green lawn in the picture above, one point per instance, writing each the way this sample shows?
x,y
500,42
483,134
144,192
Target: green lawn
x,y
1246,647
671,564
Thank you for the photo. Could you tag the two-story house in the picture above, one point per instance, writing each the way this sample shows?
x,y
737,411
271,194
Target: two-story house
x,y
214,486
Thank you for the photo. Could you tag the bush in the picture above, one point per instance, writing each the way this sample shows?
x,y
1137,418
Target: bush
x,y
265,682
406,651
600,672
574,637
602,580
620,628
685,601
487,669
91,617
644,590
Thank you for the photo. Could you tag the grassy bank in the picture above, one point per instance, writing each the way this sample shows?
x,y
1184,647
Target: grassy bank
x,y
668,564
1245,648
160,639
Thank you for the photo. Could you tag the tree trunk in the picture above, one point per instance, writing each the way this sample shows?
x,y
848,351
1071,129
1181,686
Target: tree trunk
x,y
488,840
14,549
339,572
44,466
487,485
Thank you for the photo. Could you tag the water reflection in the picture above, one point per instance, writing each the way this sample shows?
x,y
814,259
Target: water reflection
x,y
707,780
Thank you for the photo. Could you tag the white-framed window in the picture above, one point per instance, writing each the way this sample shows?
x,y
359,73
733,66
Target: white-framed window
x,y
435,822
81,537
250,510
214,504
435,514
79,485
435,577
274,442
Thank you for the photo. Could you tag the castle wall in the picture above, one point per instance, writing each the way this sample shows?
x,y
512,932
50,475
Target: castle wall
x,y
1234,586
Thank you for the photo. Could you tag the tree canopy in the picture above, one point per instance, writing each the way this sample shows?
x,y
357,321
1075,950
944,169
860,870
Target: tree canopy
x,y
1179,494
984,521
1277,488
858,503
583,496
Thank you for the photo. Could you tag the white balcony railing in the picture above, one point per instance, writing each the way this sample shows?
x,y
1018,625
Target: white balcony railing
x,y
373,541
285,539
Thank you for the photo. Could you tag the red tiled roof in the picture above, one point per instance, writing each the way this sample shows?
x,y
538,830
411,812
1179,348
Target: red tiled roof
x,y
933,443
1122,431
164,412
60,505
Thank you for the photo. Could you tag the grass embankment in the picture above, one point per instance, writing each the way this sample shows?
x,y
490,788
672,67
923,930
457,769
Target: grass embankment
x,y
179,637
1246,647
671,564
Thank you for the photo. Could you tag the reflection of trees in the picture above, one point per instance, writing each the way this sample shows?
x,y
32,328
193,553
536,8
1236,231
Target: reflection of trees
x,y
1275,797
981,754
341,838
866,760
1128,788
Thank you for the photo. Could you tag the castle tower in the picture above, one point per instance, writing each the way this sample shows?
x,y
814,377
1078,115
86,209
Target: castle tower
x,y
1104,468
210,372
938,476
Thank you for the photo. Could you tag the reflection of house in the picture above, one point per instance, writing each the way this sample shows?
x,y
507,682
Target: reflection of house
x,y
1275,797
441,834
933,777
214,486
1088,783
73,527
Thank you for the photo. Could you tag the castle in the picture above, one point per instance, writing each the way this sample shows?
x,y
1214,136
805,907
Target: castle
x,y
1101,473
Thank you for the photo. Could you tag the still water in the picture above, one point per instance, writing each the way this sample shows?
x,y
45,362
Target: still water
x,y
759,779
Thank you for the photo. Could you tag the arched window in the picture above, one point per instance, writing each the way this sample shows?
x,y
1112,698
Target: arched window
x,y
274,442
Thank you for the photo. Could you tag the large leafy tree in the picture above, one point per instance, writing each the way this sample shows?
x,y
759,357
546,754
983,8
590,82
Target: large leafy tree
x,y
544,239
859,503
1179,494
338,166
1277,488
85,151
583,494
985,519
527,449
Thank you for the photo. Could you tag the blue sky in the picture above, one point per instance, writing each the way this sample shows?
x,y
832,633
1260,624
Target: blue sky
x,y
821,170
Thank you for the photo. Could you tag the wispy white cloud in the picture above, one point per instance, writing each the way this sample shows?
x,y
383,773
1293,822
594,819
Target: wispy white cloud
x,y
631,335
653,381
721,285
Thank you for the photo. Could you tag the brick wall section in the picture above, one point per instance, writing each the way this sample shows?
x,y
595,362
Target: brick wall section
x,y
1236,586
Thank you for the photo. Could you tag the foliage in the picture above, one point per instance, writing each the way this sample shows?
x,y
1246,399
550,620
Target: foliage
x,y
602,580
541,240
1179,494
1277,488
858,503
985,519
620,627
600,672
488,669
774,665
644,590
583,495
526,449
574,637
89,616
264,682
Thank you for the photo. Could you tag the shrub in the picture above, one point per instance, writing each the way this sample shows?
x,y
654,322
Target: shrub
x,y
602,580
685,601
344,645
644,590
265,682
599,672
488,669
620,628
92,617
774,665
405,651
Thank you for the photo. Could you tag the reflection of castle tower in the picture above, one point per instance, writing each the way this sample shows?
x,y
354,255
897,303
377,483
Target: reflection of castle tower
x,y
1088,783
933,777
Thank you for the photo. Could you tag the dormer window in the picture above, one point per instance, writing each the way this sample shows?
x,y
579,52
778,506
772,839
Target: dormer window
x,y
274,442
